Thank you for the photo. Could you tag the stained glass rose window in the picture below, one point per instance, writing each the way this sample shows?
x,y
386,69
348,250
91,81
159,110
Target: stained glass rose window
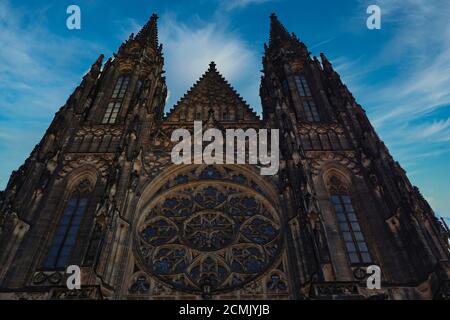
x,y
208,236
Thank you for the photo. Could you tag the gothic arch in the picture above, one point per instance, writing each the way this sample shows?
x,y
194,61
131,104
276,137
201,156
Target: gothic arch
x,y
336,182
73,179
341,174
154,186
82,181
209,229
329,169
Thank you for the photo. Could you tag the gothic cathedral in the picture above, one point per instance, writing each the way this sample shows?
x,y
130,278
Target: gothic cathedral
x,y
100,191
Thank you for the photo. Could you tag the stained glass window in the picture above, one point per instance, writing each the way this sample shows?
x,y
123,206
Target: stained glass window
x,y
113,108
302,86
66,233
350,229
310,110
111,113
209,236
121,87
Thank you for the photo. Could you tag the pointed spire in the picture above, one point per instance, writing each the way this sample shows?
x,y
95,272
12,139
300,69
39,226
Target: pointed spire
x,y
327,66
278,33
98,63
95,68
149,33
212,66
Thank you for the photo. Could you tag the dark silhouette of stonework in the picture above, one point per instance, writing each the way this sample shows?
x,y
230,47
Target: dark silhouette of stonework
x,y
100,191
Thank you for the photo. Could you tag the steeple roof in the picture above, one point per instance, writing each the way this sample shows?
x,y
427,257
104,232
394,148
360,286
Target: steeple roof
x,y
212,94
149,32
278,32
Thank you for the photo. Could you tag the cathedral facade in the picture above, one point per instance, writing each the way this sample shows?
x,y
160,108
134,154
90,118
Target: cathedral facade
x,y
100,191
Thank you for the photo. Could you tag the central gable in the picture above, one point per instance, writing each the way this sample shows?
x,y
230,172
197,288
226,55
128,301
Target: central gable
x,y
212,94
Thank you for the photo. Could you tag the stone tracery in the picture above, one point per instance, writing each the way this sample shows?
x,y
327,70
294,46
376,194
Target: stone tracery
x,y
208,235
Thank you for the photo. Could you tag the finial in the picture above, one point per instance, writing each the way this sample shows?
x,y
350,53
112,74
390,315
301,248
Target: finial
x,y
100,59
327,66
278,32
95,67
324,58
212,65
149,32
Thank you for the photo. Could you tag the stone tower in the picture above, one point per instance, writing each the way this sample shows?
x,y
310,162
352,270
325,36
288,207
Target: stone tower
x,y
100,192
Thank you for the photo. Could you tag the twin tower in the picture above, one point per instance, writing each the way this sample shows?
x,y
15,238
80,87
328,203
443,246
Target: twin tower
x,y
100,192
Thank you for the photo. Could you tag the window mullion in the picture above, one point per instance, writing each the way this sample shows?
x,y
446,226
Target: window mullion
x,y
352,232
69,225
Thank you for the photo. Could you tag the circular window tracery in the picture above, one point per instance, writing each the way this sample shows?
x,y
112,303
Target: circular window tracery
x,y
208,236
208,231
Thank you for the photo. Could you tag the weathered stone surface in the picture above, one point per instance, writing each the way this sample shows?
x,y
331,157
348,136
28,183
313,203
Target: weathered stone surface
x,y
147,229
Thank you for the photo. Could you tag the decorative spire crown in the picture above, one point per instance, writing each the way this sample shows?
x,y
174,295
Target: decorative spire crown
x,y
98,62
327,66
149,32
212,66
278,33
95,68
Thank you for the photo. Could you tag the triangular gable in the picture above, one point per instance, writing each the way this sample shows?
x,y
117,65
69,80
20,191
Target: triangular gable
x,y
212,91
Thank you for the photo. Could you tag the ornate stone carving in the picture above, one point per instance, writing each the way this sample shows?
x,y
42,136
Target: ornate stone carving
x,y
208,237
346,159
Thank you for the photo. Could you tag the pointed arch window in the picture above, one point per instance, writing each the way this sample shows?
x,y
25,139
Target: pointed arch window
x,y
310,109
302,86
65,236
111,113
121,87
349,226
113,108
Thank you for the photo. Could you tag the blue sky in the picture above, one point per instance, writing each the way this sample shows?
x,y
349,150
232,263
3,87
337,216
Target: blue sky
x,y
400,74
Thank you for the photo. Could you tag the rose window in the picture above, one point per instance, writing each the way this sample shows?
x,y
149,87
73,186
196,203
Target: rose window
x,y
208,237
208,231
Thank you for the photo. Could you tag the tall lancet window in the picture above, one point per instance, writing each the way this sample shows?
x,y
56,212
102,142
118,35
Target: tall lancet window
x,y
349,227
65,236
114,105
309,107
302,86
310,110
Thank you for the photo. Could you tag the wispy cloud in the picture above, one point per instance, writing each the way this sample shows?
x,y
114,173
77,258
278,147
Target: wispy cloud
x,y
239,4
321,43
35,79
37,62
401,104
421,43
189,48
437,130
409,101
126,27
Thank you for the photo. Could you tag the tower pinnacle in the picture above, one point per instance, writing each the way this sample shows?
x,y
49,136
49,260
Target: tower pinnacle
x,y
149,32
212,66
278,33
